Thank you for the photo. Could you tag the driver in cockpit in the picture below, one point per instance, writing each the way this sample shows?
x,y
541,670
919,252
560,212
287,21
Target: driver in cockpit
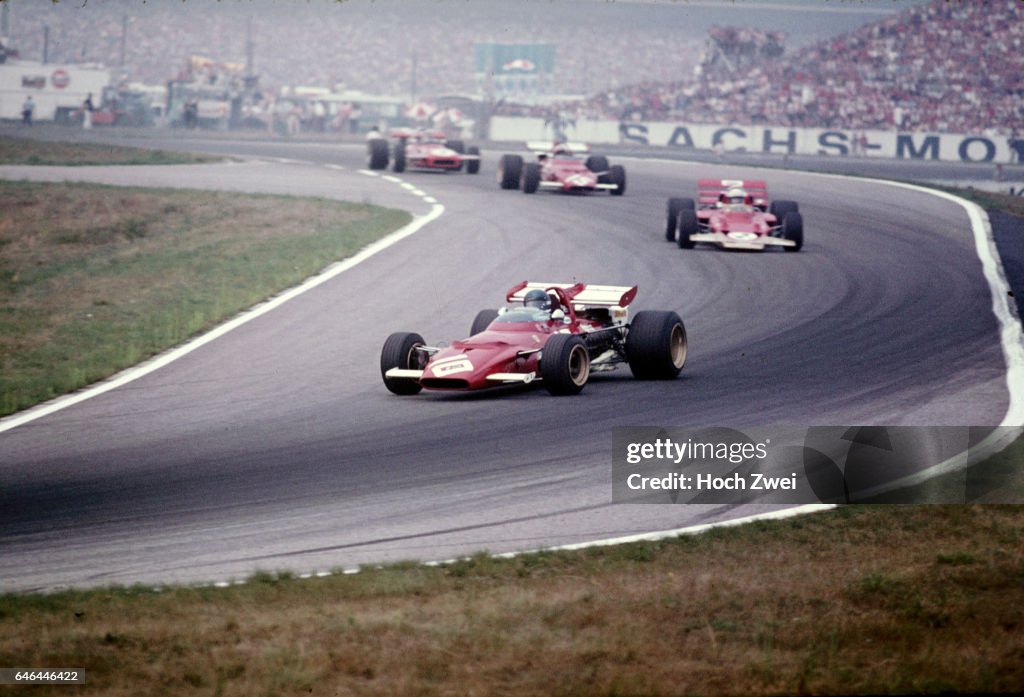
x,y
736,200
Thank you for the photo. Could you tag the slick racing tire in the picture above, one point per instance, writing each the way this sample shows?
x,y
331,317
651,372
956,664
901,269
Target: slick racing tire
x,y
377,153
793,230
510,170
531,178
473,166
399,164
617,176
456,145
400,352
564,364
482,320
656,345
686,225
599,165
780,208
675,205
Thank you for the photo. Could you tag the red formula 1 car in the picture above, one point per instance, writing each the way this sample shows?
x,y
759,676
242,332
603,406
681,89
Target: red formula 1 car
x,y
561,167
554,332
422,149
734,214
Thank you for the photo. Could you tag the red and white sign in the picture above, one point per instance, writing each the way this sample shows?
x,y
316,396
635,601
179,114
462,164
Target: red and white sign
x,y
60,78
519,64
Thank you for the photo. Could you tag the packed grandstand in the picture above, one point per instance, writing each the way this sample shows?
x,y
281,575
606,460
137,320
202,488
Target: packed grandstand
x,y
942,66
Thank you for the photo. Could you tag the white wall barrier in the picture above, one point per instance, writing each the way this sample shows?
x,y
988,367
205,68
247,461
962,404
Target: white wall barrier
x,y
980,148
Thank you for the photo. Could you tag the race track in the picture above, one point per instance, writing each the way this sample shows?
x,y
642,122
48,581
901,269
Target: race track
x,y
277,447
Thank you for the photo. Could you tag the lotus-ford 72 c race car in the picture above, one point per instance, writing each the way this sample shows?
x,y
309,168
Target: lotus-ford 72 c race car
x,y
561,167
734,214
422,149
554,332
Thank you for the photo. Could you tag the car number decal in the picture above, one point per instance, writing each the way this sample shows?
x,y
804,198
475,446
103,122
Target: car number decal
x,y
455,364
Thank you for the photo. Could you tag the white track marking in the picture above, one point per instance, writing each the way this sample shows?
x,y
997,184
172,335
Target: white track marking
x,y
153,364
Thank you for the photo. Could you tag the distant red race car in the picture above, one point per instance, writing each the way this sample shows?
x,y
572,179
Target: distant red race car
x,y
554,332
422,149
734,214
561,167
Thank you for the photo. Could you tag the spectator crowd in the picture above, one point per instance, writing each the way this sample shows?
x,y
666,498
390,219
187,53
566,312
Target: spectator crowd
x,y
945,66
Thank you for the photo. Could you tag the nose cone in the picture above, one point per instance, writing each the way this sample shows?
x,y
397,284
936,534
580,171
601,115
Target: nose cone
x,y
739,222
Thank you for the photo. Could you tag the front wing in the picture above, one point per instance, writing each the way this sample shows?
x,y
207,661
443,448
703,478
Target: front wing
x,y
724,241
562,185
524,378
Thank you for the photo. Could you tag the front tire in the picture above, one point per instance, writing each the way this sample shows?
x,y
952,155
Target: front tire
x,y
510,170
482,320
617,176
687,225
675,205
531,178
473,166
565,364
399,165
400,352
656,345
793,230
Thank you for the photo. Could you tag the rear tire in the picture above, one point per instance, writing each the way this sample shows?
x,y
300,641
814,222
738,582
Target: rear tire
x,y
656,345
793,229
780,208
675,205
531,178
597,164
377,153
482,320
456,145
686,225
565,364
510,170
617,176
473,166
399,165
399,352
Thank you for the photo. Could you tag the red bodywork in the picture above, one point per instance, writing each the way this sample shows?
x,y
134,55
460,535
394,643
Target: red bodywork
x,y
429,150
512,348
566,172
742,223
569,167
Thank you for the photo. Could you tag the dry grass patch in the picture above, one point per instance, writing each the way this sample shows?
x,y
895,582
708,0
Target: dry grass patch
x,y
860,600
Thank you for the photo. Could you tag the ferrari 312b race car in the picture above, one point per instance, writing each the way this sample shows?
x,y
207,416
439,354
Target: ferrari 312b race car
x,y
422,149
561,167
734,214
557,333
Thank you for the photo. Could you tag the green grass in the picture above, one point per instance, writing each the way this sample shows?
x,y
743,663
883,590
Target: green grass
x,y
94,279
22,151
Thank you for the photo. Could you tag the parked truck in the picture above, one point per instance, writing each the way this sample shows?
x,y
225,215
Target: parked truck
x,y
58,89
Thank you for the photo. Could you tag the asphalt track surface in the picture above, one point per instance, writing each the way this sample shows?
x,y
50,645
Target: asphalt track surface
x,y
276,446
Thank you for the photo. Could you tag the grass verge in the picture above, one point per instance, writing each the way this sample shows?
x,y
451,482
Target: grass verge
x,y
862,599
94,279
22,151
